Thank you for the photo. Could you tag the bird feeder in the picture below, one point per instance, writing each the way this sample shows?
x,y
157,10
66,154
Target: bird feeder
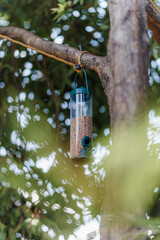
x,y
81,121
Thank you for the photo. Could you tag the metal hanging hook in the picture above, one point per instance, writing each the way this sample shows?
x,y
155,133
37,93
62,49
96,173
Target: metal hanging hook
x,y
80,47
85,74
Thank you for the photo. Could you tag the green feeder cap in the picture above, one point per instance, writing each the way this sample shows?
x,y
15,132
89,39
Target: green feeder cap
x,y
80,90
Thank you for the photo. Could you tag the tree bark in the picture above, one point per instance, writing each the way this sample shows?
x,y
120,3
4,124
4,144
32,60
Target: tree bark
x,y
61,51
128,53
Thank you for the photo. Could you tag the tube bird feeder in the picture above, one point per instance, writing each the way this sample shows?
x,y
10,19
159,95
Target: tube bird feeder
x,y
81,121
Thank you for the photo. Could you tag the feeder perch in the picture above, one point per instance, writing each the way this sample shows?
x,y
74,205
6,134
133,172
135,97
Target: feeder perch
x,y
81,121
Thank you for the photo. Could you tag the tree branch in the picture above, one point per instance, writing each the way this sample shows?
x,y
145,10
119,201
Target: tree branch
x,y
64,52
89,61
153,19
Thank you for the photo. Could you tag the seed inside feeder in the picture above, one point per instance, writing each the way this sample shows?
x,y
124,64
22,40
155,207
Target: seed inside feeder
x,y
81,127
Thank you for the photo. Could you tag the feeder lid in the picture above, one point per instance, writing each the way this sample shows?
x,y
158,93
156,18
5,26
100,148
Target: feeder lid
x,y
80,90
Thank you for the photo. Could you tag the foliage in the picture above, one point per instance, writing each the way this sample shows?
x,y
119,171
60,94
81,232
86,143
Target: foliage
x,y
47,194
43,194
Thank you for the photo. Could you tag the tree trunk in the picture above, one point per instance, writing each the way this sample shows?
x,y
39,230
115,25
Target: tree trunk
x,y
128,53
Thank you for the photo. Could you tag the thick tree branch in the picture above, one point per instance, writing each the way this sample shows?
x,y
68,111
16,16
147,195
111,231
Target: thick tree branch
x,y
89,61
64,52
105,75
153,19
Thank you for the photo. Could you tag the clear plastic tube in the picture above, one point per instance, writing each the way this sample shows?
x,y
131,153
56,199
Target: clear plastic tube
x,y
81,125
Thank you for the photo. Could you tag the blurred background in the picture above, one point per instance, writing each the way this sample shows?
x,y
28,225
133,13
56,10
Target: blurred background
x,y
43,194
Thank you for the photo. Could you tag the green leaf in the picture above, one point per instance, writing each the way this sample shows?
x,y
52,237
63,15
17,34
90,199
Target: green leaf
x,y
104,27
62,2
81,2
2,231
2,235
61,6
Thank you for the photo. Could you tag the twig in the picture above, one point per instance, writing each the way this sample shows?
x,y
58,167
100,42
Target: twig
x,y
22,153
14,64
37,63
18,86
50,85
18,224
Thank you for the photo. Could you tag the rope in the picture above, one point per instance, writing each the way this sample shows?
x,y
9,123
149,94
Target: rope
x,y
47,54
79,59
